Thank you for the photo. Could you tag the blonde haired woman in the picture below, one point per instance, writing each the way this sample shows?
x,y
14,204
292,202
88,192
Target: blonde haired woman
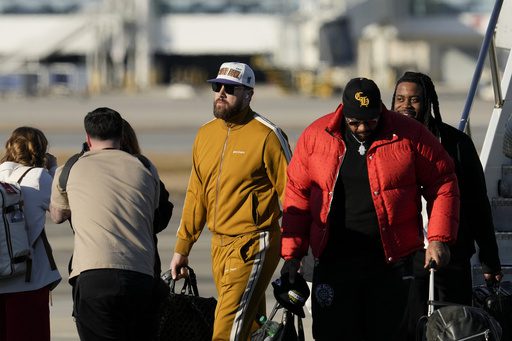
x,y
24,306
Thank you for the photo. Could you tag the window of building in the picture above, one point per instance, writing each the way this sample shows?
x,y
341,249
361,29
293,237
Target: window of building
x,y
46,6
222,6
449,7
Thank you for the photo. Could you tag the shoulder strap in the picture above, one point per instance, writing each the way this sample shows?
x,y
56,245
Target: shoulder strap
x,y
48,249
300,327
23,175
53,266
64,175
63,182
44,238
144,160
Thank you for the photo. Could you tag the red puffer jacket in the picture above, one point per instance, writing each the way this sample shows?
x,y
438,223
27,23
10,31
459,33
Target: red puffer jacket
x,y
404,158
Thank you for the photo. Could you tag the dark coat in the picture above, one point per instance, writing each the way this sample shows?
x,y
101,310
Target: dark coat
x,y
475,221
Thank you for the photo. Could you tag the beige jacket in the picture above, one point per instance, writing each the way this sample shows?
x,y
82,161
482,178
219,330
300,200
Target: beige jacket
x,y
112,197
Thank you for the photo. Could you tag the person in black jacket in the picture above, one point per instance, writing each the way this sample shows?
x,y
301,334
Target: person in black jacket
x,y
416,97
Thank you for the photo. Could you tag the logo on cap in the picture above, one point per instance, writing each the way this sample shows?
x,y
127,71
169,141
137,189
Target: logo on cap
x,y
230,72
363,100
296,297
235,73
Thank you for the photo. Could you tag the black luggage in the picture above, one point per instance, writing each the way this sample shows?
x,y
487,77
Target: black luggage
x,y
452,322
496,299
459,322
184,314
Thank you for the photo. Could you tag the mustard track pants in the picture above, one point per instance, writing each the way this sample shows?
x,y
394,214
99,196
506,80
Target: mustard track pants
x,y
242,269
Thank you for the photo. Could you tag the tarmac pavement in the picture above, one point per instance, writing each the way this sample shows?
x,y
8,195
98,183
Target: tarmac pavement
x,y
156,113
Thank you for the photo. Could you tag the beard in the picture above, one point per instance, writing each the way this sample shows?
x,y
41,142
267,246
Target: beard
x,y
363,137
225,111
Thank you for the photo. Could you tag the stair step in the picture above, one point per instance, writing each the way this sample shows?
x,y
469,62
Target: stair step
x,y
504,240
500,201
502,213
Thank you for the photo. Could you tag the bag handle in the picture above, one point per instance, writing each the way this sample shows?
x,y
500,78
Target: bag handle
x,y
289,317
300,329
190,285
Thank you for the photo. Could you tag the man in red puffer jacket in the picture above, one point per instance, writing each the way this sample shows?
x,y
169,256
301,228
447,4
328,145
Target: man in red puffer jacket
x,y
353,195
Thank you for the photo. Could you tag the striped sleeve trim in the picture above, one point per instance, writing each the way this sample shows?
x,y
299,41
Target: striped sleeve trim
x,y
279,133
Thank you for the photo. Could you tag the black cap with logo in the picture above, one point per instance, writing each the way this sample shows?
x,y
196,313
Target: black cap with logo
x,y
361,99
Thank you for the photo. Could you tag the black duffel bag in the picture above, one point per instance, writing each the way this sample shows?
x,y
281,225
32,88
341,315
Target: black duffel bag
x,y
496,299
185,315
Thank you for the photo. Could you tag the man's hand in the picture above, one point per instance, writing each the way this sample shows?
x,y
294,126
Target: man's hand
x,y
178,266
439,252
59,215
290,268
493,278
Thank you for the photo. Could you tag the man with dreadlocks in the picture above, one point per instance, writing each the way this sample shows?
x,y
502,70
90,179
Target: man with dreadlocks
x,y
415,96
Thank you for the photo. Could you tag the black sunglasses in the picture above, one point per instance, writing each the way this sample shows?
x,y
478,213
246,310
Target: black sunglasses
x,y
229,88
356,123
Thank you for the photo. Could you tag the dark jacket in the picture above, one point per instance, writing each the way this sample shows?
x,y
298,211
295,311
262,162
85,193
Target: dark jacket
x,y
475,222
163,215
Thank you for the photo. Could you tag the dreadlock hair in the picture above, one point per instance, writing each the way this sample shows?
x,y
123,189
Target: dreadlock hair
x,y
430,102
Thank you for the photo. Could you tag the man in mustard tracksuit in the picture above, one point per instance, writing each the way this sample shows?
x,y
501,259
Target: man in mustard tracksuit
x,y
238,176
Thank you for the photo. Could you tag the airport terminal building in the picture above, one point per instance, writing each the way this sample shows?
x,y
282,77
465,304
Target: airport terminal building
x,y
309,46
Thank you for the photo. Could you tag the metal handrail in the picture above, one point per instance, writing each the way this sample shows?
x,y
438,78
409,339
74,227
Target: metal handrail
x,y
495,76
489,36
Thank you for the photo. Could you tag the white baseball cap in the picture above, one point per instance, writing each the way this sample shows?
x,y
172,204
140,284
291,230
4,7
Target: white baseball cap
x,y
235,73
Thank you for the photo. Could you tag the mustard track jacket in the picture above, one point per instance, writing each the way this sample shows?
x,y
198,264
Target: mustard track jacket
x,y
237,180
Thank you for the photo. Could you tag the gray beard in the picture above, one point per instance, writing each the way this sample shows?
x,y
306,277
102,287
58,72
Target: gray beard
x,y
227,113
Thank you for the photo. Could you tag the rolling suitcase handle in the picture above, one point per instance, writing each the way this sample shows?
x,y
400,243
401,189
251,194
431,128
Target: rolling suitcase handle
x,y
422,322
431,268
432,303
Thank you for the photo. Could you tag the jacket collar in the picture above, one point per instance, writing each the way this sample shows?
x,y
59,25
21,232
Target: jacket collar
x,y
334,124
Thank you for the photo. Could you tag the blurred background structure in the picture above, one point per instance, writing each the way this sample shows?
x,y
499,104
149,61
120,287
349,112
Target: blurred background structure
x,y
149,60
310,47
